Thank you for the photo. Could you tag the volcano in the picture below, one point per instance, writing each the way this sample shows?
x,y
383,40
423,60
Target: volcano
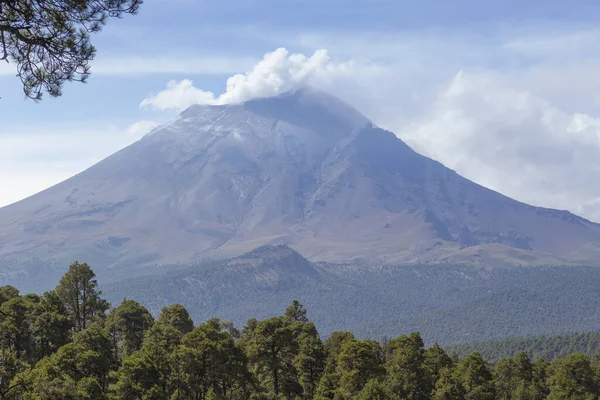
x,y
301,169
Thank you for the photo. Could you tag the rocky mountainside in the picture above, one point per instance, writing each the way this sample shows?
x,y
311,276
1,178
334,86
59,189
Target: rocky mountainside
x,y
302,169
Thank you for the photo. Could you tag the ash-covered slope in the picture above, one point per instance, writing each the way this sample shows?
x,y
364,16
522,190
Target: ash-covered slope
x,y
302,169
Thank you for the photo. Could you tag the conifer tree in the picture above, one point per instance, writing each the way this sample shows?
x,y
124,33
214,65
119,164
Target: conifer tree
x,y
79,294
127,325
407,374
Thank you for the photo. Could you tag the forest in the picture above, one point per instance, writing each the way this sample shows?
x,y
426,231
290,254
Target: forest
x,y
70,344
546,347
446,303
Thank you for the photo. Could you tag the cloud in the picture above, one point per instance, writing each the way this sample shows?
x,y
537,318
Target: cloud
x,y
278,72
513,141
178,95
140,128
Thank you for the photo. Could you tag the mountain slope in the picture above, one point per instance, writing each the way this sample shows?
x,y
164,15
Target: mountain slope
x,y
302,169
446,303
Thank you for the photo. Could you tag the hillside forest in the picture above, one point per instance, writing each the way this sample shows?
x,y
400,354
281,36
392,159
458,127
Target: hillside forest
x,y
536,347
69,344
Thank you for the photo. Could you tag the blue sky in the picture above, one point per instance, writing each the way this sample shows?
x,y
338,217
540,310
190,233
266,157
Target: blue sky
x,y
506,93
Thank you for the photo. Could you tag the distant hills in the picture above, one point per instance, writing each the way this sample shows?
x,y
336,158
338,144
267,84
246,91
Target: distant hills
x,y
446,303
302,169
546,347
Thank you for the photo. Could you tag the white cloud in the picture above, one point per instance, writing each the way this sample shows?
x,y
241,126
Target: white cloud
x,y
513,141
140,128
178,95
278,72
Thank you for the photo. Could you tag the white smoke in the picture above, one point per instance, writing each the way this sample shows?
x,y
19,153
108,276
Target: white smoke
x,y
278,72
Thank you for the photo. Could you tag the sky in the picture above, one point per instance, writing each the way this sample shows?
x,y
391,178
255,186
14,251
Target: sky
x,y
506,93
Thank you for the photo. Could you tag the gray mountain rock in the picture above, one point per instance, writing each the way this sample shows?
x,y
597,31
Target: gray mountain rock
x,y
302,169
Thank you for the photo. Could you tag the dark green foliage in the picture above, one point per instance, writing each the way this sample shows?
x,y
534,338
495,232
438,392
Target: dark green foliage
x,y
408,374
50,40
76,369
52,325
474,378
573,378
271,351
329,382
310,360
296,312
147,373
436,360
373,390
546,347
127,325
16,326
515,379
10,366
8,292
447,387
125,355
358,362
77,291
176,316
539,385
208,363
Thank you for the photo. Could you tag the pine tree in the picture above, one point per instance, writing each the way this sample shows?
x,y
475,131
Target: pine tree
x,y
475,378
208,364
127,325
271,350
358,362
330,379
178,317
79,294
436,359
310,361
573,378
407,374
